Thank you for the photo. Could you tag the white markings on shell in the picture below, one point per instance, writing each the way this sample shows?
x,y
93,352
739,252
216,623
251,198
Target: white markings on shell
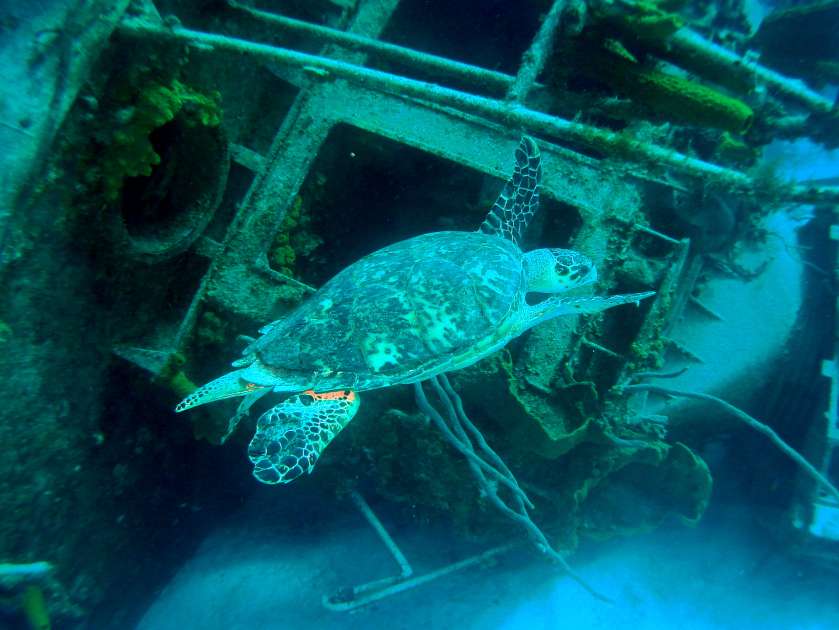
x,y
380,352
441,325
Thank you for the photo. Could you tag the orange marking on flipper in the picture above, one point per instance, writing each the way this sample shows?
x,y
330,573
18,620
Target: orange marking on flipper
x,y
343,394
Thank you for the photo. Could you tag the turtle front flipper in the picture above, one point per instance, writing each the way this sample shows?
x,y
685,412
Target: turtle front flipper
x,y
556,305
519,199
291,436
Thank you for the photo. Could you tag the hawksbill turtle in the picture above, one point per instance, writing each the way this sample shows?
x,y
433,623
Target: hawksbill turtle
x,y
405,313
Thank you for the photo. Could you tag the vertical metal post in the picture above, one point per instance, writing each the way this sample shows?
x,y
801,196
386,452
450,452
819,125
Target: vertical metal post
x,y
534,59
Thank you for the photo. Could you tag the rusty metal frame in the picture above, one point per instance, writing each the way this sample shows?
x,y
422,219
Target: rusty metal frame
x,y
476,131
594,188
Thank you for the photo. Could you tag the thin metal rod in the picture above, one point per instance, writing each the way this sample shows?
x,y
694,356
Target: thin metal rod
x,y
792,89
493,109
597,346
376,524
656,233
757,425
672,374
413,58
12,574
705,308
400,585
534,59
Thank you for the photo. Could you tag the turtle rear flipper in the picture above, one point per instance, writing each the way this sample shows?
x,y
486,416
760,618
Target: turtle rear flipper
x,y
291,436
230,385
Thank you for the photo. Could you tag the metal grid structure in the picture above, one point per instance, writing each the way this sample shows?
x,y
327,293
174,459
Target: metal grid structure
x,y
334,89
463,125
320,106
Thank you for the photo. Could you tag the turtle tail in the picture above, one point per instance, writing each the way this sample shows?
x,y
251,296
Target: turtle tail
x,y
227,386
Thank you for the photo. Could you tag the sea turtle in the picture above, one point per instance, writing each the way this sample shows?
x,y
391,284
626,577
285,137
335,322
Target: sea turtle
x,y
430,304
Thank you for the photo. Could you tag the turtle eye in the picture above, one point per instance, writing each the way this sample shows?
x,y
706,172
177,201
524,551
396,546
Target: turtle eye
x,y
557,270
562,271
579,272
572,269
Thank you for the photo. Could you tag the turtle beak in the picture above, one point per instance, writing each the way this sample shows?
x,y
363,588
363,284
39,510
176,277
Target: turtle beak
x,y
228,386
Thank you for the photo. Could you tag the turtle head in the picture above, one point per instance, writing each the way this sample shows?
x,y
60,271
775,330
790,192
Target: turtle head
x,y
557,270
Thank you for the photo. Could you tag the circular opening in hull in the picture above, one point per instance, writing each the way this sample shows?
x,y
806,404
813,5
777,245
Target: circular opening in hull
x,y
162,214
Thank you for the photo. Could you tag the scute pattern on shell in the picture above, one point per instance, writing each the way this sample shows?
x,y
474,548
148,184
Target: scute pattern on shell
x,y
401,309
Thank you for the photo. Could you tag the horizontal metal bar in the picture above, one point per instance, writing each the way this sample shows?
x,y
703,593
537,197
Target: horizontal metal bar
x,y
338,603
744,68
504,112
792,89
251,160
413,58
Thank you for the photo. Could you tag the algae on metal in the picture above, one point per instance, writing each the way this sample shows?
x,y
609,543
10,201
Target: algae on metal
x,y
606,57
673,97
135,108
294,238
648,27
625,490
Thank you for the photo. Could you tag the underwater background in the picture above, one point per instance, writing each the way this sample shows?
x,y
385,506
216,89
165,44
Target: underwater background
x,y
179,174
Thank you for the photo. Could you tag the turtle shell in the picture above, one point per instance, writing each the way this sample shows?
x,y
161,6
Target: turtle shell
x,y
402,310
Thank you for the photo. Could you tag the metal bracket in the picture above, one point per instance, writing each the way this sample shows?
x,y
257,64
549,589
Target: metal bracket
x,y
352,597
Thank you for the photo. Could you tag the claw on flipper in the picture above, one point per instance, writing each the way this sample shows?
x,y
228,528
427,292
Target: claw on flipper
x,y
227,386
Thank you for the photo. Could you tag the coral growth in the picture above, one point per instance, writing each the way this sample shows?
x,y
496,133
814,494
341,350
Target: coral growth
x,y
668,95
294,238
123,143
